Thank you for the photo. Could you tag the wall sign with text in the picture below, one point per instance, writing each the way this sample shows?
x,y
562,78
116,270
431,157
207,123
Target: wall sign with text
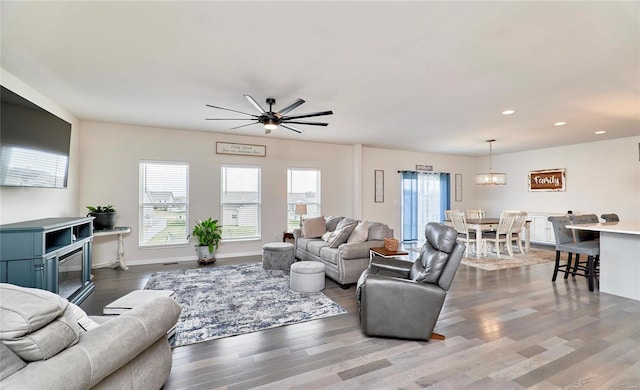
x,y
547,180
241,149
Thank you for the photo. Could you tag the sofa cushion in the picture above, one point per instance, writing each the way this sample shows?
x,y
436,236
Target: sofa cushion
x,y
378,231
314,246
47,341
9,362
302,242
326,235
331,222
330,255
313,227
25,310
360,233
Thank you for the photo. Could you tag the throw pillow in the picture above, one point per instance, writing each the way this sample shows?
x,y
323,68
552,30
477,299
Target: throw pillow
x,y
332,222
340,236
313,227
360,233
346,222
326,235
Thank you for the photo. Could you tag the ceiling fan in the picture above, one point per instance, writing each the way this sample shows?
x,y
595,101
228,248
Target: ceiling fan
x,y
272,119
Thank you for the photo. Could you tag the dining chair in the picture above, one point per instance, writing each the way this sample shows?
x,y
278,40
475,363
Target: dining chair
x,y
464,234
475,214
501,235
447,214
610,217
565,243
515,234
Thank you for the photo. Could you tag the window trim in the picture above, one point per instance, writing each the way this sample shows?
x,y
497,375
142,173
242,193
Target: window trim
x,y
142,204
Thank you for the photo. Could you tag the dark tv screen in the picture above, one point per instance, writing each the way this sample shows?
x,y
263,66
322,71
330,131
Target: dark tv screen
x,y
34,144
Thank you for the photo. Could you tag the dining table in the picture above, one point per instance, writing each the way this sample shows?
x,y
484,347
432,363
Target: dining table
x,y
491,224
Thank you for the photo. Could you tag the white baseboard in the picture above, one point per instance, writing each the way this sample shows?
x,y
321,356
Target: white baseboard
x,y
189,258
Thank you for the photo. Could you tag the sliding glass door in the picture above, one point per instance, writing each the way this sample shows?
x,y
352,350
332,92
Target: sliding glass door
x,y
425,197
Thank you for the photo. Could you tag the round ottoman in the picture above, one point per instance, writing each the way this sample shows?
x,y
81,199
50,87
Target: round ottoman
x,y
307,276
277,255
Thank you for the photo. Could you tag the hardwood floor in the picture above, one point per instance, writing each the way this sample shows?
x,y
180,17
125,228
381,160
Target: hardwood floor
x,y
506,329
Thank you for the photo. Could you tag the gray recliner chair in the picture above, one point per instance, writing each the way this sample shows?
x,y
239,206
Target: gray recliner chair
x,y
402,299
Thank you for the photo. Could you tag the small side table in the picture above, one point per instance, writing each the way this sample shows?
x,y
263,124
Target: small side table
x,y
382,252
287,236
119,231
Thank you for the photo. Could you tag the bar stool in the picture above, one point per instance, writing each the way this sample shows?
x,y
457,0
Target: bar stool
x,y
565,242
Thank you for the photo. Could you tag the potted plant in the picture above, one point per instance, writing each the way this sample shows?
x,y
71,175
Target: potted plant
x,y
209,234
105,216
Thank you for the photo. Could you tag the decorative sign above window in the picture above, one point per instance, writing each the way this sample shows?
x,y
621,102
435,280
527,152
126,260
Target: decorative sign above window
x,y
241,149
547,180
425,168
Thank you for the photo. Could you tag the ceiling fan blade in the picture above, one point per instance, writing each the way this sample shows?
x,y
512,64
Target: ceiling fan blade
x,y
229,119
308,123
291,106
255,104
228,109
249,124
291,128
286,118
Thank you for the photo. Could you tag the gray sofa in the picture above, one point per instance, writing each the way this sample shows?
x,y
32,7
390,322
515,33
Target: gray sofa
x,y
45,344
345,261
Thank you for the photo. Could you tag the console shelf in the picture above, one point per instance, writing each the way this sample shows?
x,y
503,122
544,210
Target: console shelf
x,y
30,253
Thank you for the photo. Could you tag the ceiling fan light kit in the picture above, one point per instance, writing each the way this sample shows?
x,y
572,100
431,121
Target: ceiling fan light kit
x,y
491,178
272,119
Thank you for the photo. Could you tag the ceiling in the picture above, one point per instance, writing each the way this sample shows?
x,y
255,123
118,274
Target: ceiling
x,y
421,76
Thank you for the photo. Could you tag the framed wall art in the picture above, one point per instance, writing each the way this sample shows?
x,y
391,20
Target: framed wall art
x,y
379,186
458,187
547,180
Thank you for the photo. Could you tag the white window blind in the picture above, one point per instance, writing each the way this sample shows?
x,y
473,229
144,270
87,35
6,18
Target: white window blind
x,y
164,203
303,186
240,200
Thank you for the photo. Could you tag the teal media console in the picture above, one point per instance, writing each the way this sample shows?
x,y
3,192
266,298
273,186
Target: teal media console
x,y
53,254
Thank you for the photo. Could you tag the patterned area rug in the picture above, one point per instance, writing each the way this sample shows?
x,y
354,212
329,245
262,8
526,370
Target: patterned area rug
x,y
491,262
235,299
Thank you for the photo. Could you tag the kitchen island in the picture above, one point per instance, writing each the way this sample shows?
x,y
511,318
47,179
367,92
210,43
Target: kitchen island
x,y
619,256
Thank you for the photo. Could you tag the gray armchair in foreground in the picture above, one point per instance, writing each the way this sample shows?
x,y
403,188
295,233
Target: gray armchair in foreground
x,y
402,299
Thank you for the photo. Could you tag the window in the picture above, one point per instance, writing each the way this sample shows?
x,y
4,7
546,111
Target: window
x,y
164,203
425,197
240,202
303,186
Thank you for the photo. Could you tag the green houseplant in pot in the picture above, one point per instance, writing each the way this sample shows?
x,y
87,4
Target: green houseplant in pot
x,y
209,234
105,216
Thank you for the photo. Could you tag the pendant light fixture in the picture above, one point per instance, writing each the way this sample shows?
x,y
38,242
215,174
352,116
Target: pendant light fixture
x,y
491,178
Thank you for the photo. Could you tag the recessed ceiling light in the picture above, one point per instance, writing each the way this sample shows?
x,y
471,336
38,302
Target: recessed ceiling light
x,y
560,123
508,112
600,132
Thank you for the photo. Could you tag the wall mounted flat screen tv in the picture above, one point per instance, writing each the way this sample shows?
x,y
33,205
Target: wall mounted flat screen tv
x,y
34,144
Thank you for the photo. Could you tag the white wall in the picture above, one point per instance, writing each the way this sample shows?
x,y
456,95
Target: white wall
x,y
601,177
392,161
22,204
110,154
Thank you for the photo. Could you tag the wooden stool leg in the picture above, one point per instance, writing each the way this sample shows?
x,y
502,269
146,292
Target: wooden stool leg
x,y
437,336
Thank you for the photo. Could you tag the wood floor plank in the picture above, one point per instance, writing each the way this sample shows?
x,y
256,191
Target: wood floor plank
x,y
505,329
